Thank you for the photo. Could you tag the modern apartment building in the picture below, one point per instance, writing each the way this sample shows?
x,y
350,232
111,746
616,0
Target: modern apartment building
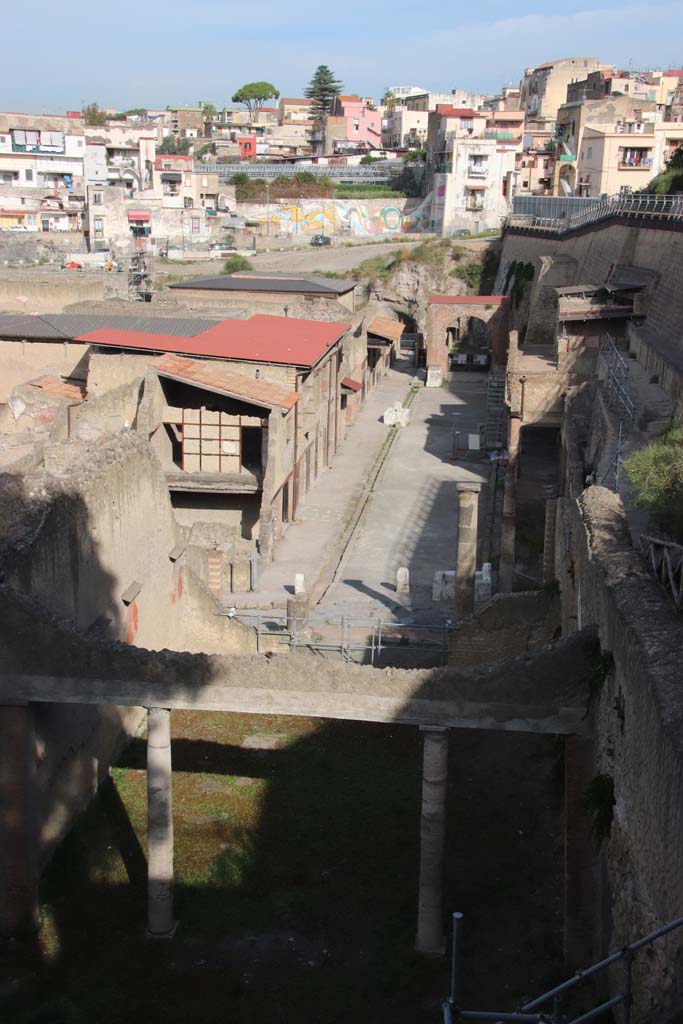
x,y
470,170
543,89
42,185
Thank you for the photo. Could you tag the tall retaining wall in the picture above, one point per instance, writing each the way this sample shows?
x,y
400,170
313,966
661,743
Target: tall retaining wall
x,y
353,217
587,257
638,711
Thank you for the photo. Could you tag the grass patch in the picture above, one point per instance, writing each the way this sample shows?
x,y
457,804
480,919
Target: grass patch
x,y
657,473
367,192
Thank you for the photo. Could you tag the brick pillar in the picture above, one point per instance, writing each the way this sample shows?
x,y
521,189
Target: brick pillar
x,y
579,903
430,937
18,821
466,558
160,922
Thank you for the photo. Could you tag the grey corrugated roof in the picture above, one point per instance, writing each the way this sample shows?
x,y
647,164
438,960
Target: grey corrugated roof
x,y
65,326
254,282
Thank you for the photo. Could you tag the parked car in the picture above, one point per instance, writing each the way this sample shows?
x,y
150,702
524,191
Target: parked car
x,y
222,247
72,265
321,240
164,252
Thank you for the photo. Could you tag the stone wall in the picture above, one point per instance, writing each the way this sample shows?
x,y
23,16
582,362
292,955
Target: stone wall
x,y
73,546
638,713
51,292
587,257
24,360
508,626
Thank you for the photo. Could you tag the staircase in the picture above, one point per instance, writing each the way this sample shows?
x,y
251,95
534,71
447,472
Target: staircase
x,y
495,436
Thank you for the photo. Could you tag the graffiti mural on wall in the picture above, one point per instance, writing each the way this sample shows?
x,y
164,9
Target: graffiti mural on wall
x,y
344,217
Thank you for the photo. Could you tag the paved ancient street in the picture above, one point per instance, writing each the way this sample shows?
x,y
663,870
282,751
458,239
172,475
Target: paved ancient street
x,y
409,519
411,516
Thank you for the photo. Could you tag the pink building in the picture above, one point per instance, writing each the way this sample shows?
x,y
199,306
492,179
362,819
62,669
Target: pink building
x,y
356,124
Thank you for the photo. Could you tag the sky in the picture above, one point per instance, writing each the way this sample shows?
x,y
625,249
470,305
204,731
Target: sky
x,y
168,52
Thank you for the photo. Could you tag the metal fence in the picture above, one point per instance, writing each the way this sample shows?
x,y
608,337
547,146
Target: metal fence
x,y
533,1012
376,173
371,640
563,214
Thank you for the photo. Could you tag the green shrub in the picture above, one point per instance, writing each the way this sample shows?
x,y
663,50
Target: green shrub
x,y
470,273
233,264
657,473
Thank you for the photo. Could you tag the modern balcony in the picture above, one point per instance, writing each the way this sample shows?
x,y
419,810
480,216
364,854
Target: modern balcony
x,y
477,171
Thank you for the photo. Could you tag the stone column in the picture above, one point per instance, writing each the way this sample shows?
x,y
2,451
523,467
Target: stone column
x,y
18,821
466,560
430,936
160,922
514,432
579,856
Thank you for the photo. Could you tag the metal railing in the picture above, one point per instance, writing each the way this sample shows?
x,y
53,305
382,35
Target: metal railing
x,y
350,638
665,562
378,173
553,998
616,383
542,212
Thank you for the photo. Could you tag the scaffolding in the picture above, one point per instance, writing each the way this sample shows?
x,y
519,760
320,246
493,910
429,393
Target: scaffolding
x,y
139,278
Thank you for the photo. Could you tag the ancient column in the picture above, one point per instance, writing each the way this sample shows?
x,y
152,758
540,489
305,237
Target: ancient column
x,y
514,432
466,561
160,922
18,821
430,937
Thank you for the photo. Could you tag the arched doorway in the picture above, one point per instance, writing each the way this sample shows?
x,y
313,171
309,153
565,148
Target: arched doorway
x,y
469,344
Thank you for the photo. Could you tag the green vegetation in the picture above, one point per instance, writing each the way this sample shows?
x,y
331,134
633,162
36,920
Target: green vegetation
x,y
520,274
657,472
302,185
234,264
253,95
598,802
171,146
670,180
92,115
348,191
470,273
321,90
414,156
121,115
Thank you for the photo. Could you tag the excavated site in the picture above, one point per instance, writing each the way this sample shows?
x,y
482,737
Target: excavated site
x,y
216,804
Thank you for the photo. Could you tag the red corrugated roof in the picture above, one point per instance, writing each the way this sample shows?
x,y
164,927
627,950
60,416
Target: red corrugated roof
x,y
261,339
385,327
469,300
351,384
226,382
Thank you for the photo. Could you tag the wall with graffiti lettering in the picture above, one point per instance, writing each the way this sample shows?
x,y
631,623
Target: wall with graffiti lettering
x,y
340,217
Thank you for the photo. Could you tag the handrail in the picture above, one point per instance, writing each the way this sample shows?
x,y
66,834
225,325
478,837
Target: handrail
x,y
665,561
525,1015
633,205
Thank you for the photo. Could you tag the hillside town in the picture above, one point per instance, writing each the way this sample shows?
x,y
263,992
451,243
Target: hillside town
x,y
573,128
341,553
